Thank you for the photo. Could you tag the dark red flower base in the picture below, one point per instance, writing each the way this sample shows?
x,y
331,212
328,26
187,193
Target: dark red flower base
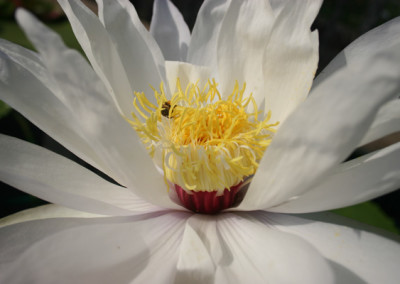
x,y
206,202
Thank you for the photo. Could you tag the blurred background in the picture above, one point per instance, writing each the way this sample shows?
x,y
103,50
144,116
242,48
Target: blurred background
x,y
339,23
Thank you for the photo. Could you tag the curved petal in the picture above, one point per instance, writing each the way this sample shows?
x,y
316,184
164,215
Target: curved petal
x,y
328,126
56,179
244,35
290,58
350,183
198,251
37,98
387,121
90,250
13,243
357,255
101,52
170,30
187,74
30,61
371,44
260,254
231,248
48,211
101,123
203,44
140,54
54,53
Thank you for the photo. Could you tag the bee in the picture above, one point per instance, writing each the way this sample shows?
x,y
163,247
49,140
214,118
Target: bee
x,y
165,109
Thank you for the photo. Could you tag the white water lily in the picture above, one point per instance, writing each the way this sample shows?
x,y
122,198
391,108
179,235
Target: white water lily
x,y
139,232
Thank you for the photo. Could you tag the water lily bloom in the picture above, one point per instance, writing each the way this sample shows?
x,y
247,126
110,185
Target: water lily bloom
x,y
212,140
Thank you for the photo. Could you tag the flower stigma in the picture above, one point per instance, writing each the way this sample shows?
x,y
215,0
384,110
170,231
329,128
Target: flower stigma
x,y
207,145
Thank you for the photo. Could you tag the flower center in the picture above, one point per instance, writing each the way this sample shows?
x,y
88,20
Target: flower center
x,y
205,144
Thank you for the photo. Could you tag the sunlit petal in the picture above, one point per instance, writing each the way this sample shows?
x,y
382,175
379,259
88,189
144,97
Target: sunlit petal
x,y
291,56
101,122
187,74
329,125
352,182
142,58
265,254
355,254
58,180
38,99
241,45
203,44
118,250
170,30
101,52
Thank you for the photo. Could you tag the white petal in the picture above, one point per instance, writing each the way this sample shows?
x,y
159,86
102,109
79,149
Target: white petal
x,y
350,183
387,121
98,250
187,74
37,99
231,248
256,253
53,52
291,57
63,64
101,123
140,54
170,30
356,255
198,250
30,61
243,37
203,44
101,52
56,179
329,125
371,44
45,212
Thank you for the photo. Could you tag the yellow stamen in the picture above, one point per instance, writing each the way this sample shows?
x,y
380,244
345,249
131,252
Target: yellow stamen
x,y
206,143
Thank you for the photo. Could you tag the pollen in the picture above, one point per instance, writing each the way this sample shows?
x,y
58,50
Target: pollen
x,y
203,141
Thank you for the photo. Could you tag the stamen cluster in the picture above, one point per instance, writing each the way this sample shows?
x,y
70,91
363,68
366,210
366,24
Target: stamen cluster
x,y
202,141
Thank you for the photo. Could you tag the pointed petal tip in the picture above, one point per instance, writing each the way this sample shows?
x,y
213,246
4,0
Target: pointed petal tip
x,y
22,15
